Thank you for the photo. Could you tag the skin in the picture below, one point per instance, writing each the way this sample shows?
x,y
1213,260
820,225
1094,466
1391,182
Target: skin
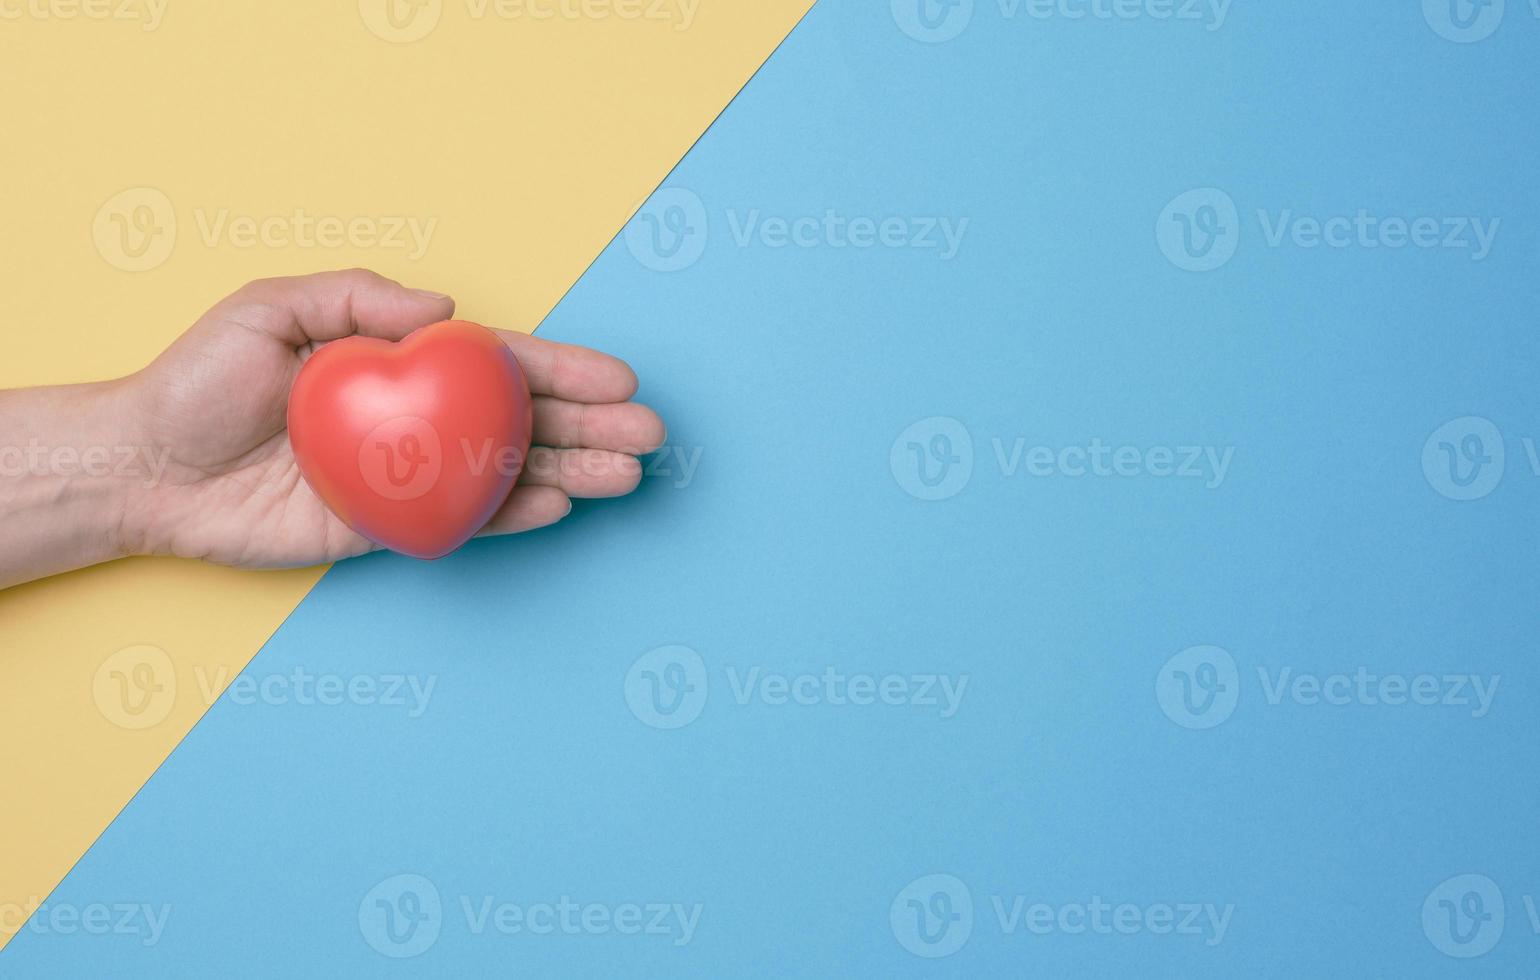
x,y
190,456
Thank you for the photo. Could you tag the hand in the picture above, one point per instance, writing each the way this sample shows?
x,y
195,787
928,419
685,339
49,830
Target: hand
x,y
207,418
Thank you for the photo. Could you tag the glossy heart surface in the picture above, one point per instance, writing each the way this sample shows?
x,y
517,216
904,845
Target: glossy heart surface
x,y
416,444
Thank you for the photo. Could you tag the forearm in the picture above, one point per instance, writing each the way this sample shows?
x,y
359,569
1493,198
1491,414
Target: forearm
x,y
67,468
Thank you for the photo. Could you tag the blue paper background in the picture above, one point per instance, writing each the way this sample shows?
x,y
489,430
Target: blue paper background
x,y
796,546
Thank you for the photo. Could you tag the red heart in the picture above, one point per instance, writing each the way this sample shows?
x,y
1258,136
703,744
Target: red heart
x,y
415,445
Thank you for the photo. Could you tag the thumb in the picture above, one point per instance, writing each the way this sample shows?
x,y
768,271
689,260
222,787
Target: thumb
x,y
332,305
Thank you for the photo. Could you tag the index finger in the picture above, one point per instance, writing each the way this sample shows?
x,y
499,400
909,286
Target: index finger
x,y
571,372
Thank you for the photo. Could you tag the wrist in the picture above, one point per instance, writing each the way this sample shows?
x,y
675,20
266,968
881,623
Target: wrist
x,y
68,466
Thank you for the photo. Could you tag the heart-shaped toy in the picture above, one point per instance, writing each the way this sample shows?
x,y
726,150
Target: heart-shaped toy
x,y
414,445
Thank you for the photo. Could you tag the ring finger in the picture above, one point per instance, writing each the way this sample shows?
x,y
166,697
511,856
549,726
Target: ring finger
x,y
582,472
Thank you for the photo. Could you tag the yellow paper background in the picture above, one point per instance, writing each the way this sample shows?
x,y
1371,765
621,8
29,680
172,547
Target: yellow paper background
x,y
527,142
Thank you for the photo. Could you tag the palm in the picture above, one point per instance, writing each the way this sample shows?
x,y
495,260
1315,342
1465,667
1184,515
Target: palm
x,y
216,402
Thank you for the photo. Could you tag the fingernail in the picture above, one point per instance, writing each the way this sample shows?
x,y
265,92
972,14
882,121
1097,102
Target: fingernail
x,y
430,294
